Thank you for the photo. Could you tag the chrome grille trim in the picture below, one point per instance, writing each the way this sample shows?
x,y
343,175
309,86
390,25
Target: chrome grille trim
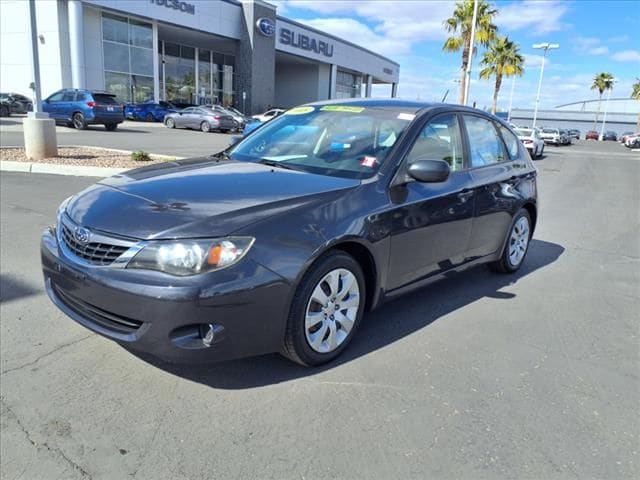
x,y
101,251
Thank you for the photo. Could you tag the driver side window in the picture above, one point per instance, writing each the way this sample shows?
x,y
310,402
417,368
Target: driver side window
x,y
439,140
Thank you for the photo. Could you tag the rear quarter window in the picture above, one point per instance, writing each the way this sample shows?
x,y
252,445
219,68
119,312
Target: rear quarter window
x,y
511,141
105,99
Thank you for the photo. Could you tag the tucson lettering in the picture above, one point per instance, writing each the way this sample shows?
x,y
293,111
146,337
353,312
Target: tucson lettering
x,y
177,5
303,42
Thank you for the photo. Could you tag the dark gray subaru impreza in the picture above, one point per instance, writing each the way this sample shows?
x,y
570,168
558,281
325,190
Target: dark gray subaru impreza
x,y
283,241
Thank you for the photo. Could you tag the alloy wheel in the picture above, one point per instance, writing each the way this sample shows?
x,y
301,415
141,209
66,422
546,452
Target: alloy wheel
x,y
332,310
518,241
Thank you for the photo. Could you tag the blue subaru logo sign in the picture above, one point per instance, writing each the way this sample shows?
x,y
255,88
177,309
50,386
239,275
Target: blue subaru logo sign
x,y
82,235
266,26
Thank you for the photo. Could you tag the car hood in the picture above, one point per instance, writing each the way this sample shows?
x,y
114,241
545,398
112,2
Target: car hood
x,y
197,198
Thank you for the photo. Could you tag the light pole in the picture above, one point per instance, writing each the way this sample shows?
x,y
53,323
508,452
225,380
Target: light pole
x,y
546,47
465,97
610,83
513,84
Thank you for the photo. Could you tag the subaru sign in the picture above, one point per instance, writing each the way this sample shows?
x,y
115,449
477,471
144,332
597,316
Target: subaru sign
x,y
266,26
304,42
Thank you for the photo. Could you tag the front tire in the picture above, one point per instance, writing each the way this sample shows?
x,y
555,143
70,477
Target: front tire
x,y
326,310
517,244
149,117
110,127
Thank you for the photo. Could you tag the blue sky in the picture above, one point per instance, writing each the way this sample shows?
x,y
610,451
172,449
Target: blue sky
x,y
594,36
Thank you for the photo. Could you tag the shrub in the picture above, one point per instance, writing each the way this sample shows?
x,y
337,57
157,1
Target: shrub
x,y
140,156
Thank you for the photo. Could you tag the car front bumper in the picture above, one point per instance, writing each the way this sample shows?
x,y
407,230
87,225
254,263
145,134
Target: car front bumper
x,y
165,316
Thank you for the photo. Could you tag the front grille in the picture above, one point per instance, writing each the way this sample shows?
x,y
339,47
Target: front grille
x,y
96,253
97,315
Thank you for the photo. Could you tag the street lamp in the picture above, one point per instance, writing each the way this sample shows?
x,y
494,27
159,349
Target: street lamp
x,y
610,83
546,47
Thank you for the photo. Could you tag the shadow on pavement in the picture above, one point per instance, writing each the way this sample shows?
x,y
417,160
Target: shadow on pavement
x,y
386,325
12,288
9,121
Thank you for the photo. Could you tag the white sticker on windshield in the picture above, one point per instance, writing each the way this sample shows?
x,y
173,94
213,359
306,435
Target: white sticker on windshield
x,y
406,116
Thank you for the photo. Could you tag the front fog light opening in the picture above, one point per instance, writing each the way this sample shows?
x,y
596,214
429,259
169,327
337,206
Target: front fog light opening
x,y
207,333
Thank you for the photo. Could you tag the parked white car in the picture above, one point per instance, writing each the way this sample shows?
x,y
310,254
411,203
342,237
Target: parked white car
x,y
269,114
531,139
551,135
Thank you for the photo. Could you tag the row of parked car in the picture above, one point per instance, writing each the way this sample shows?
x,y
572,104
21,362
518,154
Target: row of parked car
x,y
535,139
80,108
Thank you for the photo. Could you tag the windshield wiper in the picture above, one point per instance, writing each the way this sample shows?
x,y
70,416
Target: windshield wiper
x,y
273,163
223,155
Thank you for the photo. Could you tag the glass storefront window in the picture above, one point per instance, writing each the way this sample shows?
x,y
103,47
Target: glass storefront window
x,y
227,86
128,58
204,77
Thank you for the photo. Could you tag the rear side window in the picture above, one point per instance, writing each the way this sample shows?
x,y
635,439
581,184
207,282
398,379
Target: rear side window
x,y
485,145
511,141
105,99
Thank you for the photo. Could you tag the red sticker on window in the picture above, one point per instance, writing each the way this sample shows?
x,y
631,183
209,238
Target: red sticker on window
x,y
370,162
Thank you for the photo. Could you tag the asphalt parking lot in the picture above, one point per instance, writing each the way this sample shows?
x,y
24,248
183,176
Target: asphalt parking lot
x,y
147,136
528,376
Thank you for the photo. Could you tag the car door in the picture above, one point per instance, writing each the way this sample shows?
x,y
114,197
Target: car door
x,y
431,222
183,119
499,173
66,105
51,105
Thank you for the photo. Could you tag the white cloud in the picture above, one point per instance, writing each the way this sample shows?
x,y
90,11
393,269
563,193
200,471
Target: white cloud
x,y
627,56
589,46
360,34
537,15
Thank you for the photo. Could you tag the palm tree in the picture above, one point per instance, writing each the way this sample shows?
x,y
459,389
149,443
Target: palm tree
x,y
602,82
502,59
460,25
635,93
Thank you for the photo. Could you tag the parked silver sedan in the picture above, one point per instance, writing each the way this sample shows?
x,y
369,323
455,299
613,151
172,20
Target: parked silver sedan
x,y
201,118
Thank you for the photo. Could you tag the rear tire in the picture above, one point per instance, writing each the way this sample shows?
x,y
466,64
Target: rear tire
x,y
110,127
4,111
205,127
170,123
516,245
149,117
79,122
326,310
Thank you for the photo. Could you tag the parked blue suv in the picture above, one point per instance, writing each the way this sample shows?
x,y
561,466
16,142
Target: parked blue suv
x,y
80,108
149,111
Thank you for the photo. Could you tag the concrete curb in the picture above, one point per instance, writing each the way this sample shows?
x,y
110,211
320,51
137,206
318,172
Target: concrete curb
x,y
75,170
58,169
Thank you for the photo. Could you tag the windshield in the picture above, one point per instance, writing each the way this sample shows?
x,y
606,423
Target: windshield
x,y
523,132
337,140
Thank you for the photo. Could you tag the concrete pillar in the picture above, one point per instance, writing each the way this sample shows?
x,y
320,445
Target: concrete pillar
x,y
156,63
256,58
39,137
76,43
332,81
367,89
394,90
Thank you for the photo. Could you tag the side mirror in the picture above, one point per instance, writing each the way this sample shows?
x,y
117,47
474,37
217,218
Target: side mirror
x,y
429,171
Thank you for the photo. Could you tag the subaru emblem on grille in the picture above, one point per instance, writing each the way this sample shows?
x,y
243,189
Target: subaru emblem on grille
x,y
82,235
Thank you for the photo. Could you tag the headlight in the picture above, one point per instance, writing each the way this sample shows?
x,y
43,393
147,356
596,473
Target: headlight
x,y
191,257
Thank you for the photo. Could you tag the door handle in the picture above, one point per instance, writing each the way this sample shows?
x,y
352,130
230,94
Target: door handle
x,y
465,194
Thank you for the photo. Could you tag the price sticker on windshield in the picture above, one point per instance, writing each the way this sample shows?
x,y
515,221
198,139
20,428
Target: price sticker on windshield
x,y
368,161
341,108
299,111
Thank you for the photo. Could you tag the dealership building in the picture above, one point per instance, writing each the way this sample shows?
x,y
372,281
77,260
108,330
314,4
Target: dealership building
x,y
192,51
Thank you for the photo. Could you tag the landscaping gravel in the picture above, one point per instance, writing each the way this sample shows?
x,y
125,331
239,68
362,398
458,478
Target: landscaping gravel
x,y
85,156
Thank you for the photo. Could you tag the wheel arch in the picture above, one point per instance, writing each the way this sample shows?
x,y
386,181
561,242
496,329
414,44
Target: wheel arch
x,y
532,209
